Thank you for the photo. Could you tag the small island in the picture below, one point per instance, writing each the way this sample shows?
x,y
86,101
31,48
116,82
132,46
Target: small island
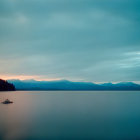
x,y
5,86
7,101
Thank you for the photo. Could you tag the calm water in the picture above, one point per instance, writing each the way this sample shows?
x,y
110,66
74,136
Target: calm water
x,y
70,115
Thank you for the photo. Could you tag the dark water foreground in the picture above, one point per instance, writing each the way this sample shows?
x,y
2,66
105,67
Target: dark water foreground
x,y
70,115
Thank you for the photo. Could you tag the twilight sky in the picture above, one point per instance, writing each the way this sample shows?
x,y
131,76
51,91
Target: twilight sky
x,y
78,40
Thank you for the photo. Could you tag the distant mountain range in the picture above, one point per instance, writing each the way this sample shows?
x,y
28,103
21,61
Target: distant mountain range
x,y
69,85
5,86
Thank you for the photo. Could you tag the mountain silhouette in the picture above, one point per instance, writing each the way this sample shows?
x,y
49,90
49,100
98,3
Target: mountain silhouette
x,y
5,86
69,85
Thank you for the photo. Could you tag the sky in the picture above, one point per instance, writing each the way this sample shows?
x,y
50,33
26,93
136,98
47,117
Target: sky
x,y
78,40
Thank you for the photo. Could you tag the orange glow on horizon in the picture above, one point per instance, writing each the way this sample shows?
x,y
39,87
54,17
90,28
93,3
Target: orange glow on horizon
x,y
42,78
26,77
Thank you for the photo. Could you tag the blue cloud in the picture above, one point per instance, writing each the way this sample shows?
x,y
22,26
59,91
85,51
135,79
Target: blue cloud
x,y
78,39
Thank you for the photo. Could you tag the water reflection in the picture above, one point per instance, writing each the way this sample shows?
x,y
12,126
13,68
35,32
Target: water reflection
x,y
70,115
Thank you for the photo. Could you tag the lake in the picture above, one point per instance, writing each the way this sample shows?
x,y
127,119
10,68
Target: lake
x,y
70,115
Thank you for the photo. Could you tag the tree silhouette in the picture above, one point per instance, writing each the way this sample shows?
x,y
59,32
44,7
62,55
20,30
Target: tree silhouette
x,y
5,86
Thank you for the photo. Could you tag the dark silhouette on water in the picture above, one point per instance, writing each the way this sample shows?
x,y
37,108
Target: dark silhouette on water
x,y
7,101
5,86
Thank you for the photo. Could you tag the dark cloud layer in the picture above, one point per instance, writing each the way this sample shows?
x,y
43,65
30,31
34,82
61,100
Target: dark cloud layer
x,y
89,40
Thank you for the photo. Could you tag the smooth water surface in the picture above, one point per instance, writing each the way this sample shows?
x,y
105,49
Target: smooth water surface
x,y
70,115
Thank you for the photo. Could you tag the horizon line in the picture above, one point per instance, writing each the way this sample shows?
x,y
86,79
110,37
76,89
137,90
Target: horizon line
x,y
46,80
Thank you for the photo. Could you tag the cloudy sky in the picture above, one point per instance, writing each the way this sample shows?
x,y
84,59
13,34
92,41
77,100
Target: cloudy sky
x,y
78,40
